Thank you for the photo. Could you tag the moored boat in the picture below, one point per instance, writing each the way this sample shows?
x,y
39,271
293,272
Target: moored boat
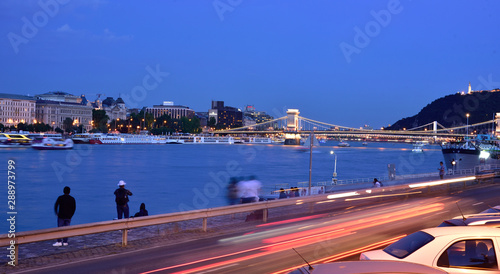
x,y
483,150
113,138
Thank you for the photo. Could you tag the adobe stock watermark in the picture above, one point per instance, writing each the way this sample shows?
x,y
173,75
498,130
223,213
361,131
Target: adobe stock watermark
x,y
48,9
150,82
363,37
220,180
224,6
74,158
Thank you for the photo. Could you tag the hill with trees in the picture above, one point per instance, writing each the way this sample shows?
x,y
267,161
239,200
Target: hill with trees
x,y
451,110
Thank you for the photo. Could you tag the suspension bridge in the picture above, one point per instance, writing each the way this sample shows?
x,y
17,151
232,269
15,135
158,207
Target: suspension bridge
x,y
294,126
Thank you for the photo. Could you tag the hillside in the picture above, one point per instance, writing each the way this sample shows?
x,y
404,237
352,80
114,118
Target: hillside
x,y
450,110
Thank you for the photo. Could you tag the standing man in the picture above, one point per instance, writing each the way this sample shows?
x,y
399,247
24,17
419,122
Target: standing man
x,y
441,170
64,208
121,200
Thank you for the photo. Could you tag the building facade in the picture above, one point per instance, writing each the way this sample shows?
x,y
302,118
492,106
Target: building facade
x,y
15,109
225,116
55,112
115,109
175,112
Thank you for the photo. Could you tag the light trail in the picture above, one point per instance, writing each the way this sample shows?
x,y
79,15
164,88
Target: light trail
x,y
345,254
442,182
293,220
285,242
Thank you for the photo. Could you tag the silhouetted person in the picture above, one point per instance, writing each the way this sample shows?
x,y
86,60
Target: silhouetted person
x,y
441,170
64,208
121,199
282,194
142,211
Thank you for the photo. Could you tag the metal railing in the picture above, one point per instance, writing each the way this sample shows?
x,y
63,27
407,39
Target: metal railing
x,y
125,224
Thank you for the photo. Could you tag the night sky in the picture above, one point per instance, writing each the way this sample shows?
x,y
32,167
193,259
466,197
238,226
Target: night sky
x,y
347,63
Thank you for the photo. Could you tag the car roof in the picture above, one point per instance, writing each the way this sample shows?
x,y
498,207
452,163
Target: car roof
x,y
466,231
375,266
476,219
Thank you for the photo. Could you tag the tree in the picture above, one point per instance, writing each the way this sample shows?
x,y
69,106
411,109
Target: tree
x,y
211,122
100,120
2,127
68,124
58,130
190,125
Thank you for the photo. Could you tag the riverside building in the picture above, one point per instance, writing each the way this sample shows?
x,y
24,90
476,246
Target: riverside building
x,y
15,109
168,107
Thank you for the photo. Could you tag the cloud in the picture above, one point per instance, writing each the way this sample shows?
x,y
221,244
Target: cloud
x,y
65,28
110,36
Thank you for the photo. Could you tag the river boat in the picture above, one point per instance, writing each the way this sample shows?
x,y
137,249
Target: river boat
x,y
418,146
84,138
123,139
343,144
51,143
467,154
14,140
170,141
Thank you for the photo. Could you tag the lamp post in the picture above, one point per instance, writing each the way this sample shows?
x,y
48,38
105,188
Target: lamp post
x,y
334,175
467,115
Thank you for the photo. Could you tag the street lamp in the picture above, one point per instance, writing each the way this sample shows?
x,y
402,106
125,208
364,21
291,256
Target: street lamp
x,y
467,115
334,175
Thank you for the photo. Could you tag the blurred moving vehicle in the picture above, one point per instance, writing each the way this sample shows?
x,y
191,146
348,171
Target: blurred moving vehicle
x,y
455,249
353,267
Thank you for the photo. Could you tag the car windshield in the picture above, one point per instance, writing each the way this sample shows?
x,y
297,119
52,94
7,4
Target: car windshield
x,y
408,244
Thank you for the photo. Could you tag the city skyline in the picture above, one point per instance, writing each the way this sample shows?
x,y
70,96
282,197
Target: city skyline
x,y
344,63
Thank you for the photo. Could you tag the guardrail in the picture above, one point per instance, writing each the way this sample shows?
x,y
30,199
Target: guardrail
x,y
125,224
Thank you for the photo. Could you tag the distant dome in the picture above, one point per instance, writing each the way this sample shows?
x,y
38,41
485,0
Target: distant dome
x,y
108,101
119,100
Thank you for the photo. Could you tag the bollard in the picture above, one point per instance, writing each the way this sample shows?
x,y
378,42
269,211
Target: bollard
x,y
204,224
264,215
124,237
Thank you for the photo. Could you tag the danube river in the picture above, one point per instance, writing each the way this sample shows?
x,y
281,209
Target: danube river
x,y
170,178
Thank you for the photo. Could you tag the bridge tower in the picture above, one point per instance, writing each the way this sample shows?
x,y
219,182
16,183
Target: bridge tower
x,y
292,137
434,129
497,122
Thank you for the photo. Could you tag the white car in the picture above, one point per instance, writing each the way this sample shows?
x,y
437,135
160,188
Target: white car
x,y
455,249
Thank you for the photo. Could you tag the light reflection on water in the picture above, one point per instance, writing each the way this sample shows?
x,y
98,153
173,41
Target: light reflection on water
x,y
170,178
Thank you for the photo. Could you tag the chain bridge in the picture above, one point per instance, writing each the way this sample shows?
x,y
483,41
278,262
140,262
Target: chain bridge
x,y
293,127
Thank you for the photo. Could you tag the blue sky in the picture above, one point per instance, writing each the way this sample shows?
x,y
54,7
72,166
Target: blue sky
x,y
348,63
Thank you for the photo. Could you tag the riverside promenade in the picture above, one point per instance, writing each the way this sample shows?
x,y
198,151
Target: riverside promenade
x,y
41,254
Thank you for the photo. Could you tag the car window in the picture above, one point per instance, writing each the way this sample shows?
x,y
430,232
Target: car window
x,y
476,254
408,244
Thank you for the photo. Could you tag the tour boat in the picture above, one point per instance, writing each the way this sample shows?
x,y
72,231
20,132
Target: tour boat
x,y
418,146
117,139
51,143
84,138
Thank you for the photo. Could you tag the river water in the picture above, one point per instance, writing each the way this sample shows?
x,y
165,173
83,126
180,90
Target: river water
x,y
171,178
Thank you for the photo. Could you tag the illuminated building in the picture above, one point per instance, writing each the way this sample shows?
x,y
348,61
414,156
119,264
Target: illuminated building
x,y
15,109
225,117
168,107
